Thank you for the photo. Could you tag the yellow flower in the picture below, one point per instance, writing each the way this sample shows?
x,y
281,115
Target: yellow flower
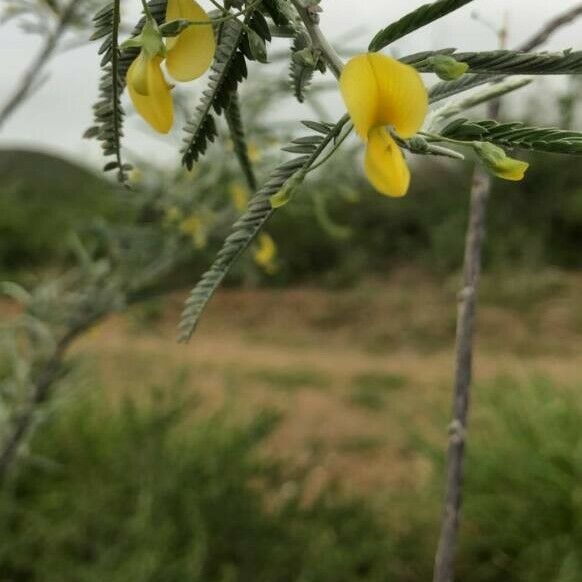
x,y
265,254
239,195
380,91
187,56
254,153
172,215
194,227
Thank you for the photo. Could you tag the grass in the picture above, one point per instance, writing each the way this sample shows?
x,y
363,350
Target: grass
x,y
371,389
330,388
289,379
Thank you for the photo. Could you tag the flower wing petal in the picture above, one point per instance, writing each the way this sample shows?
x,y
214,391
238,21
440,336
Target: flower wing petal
x,y
403,99
156,107
385,166
379,90
191,52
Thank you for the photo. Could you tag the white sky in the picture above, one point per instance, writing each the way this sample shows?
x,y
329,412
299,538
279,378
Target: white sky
x,y
56,116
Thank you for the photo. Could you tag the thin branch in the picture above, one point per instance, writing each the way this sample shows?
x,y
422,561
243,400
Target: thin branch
x,y
544,34
310,19
444,570
44,55
445,557
23,422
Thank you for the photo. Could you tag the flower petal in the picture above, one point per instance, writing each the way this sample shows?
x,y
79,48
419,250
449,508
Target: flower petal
x,y
361,94
379,90
510,169
191,52
156,107
385,166
137,74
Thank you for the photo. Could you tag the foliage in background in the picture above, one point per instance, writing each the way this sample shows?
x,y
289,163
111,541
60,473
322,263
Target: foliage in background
x,y
151,491
522,516
338,232
144,493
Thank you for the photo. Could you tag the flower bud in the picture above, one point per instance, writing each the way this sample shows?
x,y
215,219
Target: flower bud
x,y
447,68
499,163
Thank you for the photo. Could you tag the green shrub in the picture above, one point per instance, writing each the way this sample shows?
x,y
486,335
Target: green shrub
x,y
43,200
334,231
146,493
523,513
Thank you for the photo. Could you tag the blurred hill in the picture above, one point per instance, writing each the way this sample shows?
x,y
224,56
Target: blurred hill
x,y
43,198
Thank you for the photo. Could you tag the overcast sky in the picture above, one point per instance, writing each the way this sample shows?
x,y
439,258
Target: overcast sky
x,y
56,116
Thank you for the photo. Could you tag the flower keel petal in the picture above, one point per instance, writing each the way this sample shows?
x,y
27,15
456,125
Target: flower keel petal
x,y
385,166
156,107
137,74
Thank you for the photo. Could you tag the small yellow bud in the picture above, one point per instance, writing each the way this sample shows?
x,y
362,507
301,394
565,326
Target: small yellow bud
x,y
499,163
284,195
447,68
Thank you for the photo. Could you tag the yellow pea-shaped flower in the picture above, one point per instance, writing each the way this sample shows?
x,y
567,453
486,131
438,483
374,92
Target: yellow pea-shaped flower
x,y
266,253
190,53
380,91
150,93
187,56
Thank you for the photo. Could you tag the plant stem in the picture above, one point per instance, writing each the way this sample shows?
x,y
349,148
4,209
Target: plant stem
x,y
53,368
310,20
444,569
444,562
44,55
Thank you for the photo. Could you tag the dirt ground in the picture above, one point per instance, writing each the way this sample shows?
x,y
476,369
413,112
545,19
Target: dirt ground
x,y
354,372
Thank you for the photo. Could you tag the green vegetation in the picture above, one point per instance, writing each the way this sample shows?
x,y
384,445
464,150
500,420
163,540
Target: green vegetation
x,y
371,389
289,379
43,201
148,493
155,491
341,229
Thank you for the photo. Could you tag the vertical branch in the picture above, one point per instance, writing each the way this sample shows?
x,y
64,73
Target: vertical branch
x,y
44,55
445,557
444,568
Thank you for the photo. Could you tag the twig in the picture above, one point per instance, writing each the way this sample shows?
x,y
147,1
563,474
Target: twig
x,y
310,19
480,190
445,558
42,58
544,34
22,423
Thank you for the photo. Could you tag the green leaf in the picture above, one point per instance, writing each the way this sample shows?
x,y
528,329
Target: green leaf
x,y
107,111
228,69
415,20
446,89
505,62
246,229
303,64
233,118
517,135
